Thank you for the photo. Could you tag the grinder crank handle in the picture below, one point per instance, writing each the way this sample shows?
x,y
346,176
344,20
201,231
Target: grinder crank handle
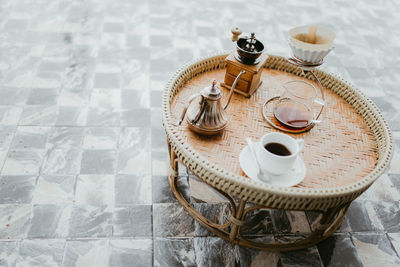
x,y
233,88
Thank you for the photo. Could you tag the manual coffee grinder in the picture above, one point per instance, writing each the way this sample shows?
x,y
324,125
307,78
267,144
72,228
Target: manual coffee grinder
x,y
248,57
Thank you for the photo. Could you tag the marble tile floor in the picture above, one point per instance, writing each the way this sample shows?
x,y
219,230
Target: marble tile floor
x,y
82,150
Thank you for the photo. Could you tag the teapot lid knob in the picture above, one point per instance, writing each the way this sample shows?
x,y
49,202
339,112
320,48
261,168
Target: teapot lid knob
x,y
212,92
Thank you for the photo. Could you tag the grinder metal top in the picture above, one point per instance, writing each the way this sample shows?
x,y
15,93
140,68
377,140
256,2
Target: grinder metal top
x,y
248,49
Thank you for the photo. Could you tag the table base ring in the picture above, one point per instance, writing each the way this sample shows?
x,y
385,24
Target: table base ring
x,y
329,223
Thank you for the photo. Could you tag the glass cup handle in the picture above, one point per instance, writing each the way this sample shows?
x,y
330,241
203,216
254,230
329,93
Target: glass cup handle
x,y
319,101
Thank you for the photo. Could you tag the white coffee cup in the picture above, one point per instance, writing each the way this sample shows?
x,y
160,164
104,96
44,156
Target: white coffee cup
x,y
273,163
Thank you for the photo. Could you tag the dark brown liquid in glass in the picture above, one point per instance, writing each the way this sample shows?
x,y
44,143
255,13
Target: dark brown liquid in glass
x,y
278,149
293,117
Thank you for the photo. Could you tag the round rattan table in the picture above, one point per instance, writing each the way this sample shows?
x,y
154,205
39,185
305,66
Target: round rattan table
x,y
344,154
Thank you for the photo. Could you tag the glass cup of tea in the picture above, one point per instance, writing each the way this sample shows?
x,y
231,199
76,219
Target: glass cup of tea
x,y
297,104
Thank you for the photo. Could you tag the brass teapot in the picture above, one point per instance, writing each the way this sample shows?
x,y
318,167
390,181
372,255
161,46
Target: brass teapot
x,y
208,117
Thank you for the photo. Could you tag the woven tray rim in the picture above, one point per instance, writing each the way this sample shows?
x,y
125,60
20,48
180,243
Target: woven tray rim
x,y
257,192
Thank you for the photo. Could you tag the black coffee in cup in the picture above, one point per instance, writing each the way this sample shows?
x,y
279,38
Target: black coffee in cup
x,y
278,149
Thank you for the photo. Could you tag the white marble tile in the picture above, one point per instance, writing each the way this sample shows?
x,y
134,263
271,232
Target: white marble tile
x,y
86,253
8,253
375,250
123,252
10,115
95,190
62,162
54,190
101,138
23,162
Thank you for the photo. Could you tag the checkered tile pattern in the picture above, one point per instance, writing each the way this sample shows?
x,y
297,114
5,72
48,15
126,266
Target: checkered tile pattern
x,y
82,150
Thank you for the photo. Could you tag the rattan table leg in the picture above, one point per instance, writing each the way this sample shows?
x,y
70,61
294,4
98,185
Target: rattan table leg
x,y
329,222
237,220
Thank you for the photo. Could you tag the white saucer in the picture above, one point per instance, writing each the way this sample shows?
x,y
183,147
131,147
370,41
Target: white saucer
x,y
293,177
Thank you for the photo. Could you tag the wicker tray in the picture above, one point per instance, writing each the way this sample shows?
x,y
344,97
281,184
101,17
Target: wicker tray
x,y
344,154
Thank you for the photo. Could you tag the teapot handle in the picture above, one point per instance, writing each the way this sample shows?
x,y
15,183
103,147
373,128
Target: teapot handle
x,y
187,106
233,88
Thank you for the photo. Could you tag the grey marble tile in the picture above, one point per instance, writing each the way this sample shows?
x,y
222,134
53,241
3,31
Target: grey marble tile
x,y
23,162
11,96
254,257
133,221
217,213
15,220
174,252
51,189
384,190
65,137
395,179
81,64
132,189
42,96
360,217
375,249
304,257
98,162
8,253
45,115
338,250
41,252
30,137
165,215
50,221
158,138
213,251
138,117
156,118
257,223
133,99
387,215
395,240
71,116
162,192
16,189
126,252
107,80
95,190
90,221
86,253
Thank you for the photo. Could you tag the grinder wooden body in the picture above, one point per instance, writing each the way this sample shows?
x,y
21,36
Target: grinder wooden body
x,y
249,82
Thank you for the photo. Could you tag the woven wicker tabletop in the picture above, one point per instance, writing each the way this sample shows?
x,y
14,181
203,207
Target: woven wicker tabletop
x,y
339,151
344,154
